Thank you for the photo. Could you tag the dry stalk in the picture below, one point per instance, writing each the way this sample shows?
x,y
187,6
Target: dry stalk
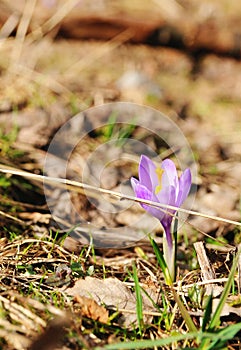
x,y
207,270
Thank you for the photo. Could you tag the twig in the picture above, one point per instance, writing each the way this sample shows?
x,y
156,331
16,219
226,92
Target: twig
x,y
207,270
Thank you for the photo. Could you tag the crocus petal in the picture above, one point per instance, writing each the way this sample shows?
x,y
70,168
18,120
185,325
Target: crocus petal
x,y
169,177
170,199
134,182
147,173
185,182
166,196
143,193
161,185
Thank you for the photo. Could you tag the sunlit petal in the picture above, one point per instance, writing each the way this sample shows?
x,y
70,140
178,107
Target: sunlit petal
x,y
143,193
147,174
185,182
170,177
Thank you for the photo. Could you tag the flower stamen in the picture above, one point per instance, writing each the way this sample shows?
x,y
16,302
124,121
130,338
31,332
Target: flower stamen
x,y
159,173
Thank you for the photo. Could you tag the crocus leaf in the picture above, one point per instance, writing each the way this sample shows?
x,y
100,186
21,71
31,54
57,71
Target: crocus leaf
x,y
139,308
161,261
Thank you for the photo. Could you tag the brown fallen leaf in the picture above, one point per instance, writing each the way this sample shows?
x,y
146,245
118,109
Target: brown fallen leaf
x,y
114,294
91,309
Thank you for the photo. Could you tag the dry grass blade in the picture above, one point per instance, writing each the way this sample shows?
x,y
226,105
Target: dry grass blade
x,y
18,243
53,21
8,27
21,314
22,30
15,340
8,216
25,319
79,187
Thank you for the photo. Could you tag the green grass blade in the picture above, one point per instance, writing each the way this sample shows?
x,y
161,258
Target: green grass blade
x,y
150,344
223,336
161,262
207,313
109,130
216,316
191,326
139,306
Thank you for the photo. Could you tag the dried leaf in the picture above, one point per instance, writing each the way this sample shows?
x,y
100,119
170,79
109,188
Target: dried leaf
x,y
91,309
112,293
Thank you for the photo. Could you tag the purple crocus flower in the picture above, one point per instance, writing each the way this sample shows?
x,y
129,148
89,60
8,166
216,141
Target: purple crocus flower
x,y
161,184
